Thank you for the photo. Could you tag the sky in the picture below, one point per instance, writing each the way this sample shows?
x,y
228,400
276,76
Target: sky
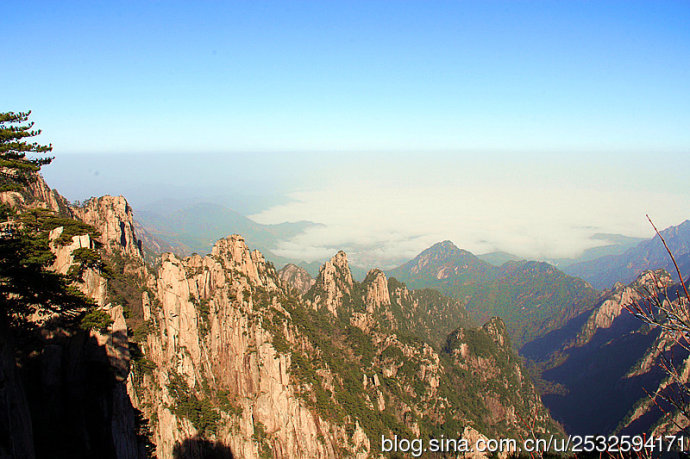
x,y
523,126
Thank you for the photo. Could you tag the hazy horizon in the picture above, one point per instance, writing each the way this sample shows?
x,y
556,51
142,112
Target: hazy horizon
x,y
384,209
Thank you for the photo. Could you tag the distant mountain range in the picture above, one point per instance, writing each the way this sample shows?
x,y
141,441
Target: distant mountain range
x,y
531,297
594,362
622,259
183,229
498,258
196,227
605,271
613,244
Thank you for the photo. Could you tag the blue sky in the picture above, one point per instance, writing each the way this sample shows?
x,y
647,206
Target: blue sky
x,y
523,126
128,76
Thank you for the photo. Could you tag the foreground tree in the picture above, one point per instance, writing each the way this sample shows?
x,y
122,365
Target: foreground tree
x,y
60,397
15,166
26,286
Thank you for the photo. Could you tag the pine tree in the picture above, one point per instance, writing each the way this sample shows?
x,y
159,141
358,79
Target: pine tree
x,y
26,286
15,167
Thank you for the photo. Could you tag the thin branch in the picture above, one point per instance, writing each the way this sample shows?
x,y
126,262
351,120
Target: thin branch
x,y
682,282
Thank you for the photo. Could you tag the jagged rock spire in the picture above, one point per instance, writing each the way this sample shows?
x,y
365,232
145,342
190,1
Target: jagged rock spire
x,y
236,256
376,293
333,283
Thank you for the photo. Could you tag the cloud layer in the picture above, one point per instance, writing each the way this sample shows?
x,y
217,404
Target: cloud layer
x,y
382,219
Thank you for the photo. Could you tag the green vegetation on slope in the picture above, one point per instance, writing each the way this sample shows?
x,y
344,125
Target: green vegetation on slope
x,y
347,373
532,298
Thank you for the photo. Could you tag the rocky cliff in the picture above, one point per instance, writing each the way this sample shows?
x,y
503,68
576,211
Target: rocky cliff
x,y
113,219
333,285
233,356
36,193
485,354
211,337
616,301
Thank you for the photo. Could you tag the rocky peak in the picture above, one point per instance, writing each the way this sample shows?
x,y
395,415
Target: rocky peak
x,y
442,261
376,290
295,277
209,336
333,283
649,280
235,256
113,219
614,303
442,250
339,261
497,330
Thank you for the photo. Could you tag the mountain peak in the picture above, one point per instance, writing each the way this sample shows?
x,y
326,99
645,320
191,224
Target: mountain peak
x,y
234,245
440,261
445,250
682,229
113,219
376,288
234,254
497,330
333,283
373,274
339,260
446,245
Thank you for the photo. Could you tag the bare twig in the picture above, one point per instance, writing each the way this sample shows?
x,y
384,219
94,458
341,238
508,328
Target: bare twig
x,y
656,308
682,282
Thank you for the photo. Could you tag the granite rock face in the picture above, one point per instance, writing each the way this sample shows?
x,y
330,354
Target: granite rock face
x,y
333,284
225,324
93,284
615,302
377,295
209,335
113,219
36,194
296,278
606,370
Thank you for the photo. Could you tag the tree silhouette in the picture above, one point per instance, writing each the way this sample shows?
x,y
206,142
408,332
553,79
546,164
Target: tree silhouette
x,y
15,167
